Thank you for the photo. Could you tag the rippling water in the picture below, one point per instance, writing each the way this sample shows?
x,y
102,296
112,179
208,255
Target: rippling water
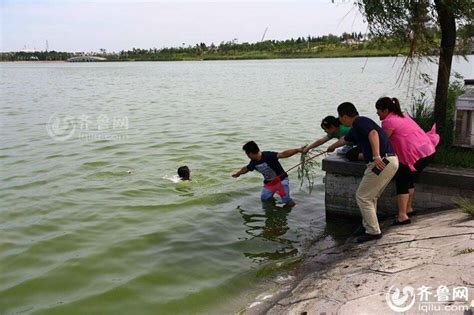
x,y
89,222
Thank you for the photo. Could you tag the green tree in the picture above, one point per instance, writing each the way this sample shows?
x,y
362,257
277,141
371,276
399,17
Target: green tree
x,y
410,23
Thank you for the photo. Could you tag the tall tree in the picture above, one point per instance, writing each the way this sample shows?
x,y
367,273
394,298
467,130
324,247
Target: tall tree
x,y
410,24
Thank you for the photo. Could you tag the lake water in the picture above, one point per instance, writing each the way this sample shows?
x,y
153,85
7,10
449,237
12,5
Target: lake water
x,y
90,222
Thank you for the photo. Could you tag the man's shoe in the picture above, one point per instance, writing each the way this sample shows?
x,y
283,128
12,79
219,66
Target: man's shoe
x,y
290,203
368,237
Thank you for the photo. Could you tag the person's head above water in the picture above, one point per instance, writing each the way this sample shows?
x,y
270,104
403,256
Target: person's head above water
x,y
252,150
184,173
330,124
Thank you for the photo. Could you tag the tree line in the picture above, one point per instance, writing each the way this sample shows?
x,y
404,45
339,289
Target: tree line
x,y
289,46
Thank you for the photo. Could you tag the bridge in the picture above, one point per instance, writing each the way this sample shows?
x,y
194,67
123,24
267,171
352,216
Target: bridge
x,y
86,59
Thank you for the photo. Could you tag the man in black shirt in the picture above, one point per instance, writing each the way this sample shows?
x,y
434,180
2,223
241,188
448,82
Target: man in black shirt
x,y
275,178
381,168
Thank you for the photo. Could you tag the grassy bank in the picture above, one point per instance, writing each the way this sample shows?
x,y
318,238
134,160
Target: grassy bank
x,y
339,52
454,156
446,153
251,55
227,51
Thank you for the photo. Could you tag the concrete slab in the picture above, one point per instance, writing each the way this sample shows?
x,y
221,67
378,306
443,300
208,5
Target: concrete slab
x,y
312,287
395,238
327,257
444,231
436,243
372,304
467,276
448,257
321,246
399,257
347,267
355,279
311,307
359,285
465,223
428,275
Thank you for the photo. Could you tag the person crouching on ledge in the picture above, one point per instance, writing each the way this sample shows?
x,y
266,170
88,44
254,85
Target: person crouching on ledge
x,y
381,168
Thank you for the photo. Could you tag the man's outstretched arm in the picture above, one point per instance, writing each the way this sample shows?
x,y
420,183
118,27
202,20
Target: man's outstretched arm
x,y
288,153
337,144
242,171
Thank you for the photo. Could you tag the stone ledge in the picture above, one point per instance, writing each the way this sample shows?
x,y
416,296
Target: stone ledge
x,y
338,164
438,188
433,175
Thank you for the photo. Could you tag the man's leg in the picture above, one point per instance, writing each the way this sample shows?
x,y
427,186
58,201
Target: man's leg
x,y
286,199
365,197
370,189
266,195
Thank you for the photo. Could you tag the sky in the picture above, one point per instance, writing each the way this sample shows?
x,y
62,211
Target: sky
x,y
73,25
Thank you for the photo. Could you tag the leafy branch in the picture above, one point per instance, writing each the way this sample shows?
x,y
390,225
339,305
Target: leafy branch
x,y
307,168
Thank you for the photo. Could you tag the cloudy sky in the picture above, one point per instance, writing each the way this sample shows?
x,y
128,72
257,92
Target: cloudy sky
x,y
73,25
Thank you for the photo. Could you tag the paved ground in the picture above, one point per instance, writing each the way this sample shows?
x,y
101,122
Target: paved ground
x,y
435,250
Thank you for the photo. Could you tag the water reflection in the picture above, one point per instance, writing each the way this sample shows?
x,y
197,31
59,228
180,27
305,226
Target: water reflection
x,y
342,228
184,189
272,226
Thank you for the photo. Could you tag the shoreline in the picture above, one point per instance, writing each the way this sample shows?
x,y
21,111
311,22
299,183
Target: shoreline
x,y
228,58
436,249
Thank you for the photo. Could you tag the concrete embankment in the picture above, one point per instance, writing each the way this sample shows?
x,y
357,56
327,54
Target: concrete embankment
x,y
438,187
430,261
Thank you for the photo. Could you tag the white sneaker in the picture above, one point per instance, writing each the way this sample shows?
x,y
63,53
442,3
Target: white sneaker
x,y
343,150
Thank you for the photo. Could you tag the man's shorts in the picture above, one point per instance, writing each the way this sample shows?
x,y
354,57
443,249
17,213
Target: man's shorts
x,y
268,194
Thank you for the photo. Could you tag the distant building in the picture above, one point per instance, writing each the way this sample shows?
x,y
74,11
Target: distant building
x,y
27,49
464,117
350,41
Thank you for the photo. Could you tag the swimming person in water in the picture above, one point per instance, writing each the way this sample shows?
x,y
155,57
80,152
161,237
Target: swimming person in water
x,y
275,177
184,173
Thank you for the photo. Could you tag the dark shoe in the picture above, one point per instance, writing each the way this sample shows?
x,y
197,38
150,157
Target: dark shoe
x,y
359,231
410,214
368,237
405,222
290,203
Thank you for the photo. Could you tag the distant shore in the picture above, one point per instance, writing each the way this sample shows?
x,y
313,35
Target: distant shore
x,y
226,57
337,52
217,57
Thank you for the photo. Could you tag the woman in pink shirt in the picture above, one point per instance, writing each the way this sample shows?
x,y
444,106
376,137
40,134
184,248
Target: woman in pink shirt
x,y
414,148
